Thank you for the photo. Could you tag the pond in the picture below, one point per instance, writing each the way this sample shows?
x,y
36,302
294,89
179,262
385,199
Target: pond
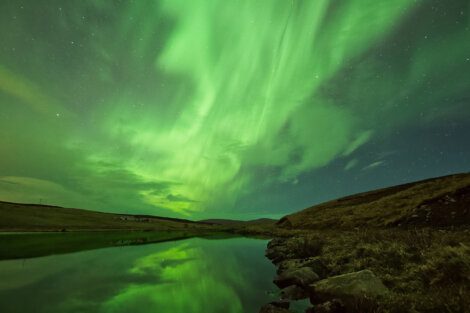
x,y
189,275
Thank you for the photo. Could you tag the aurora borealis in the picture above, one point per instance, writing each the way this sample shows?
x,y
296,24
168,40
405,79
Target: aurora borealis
x,y
236,108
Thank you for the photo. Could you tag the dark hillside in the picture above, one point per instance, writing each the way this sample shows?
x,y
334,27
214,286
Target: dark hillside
x,y
32,217
441,202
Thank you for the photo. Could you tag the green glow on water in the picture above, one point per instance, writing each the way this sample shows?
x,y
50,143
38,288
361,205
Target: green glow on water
x,y
183,276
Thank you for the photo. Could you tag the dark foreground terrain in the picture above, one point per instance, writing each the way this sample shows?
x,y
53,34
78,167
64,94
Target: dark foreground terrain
x,y
399,249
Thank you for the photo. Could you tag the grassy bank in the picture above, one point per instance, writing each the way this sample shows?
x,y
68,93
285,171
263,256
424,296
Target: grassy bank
x,y
426,270
415,238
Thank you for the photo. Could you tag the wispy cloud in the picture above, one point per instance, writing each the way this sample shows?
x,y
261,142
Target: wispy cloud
x,y
179,198
374,165
30,93
351,164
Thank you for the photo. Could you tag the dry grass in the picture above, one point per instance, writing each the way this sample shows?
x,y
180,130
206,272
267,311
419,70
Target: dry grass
x,y
27,217
426,270
383,208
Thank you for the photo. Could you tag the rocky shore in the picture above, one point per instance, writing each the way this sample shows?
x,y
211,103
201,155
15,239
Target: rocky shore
x,y
301,276
399,249
372,272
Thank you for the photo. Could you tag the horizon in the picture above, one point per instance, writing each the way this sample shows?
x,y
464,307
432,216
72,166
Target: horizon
x,y
187,110
244,217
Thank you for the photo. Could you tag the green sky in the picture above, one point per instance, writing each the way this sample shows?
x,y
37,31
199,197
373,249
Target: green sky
x,y
234,108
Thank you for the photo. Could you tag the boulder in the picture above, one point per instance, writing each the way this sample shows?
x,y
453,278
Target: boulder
x,y
281,249
352,286
277,250
313,262
276,255
294,292
303,276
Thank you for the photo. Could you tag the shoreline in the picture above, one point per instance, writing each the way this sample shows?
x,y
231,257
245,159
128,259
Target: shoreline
x,y
372,270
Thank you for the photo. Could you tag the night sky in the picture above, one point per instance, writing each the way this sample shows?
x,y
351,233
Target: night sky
x,y
231,109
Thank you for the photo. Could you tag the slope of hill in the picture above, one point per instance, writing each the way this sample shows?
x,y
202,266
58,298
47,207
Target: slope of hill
x,y
443,201
31,217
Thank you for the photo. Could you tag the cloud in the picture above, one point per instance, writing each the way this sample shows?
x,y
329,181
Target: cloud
x,y
31,94
373,165
178,198
351,164
34,190
361,139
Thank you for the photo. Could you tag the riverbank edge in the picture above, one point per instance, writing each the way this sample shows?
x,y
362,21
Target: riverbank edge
x,y
372,270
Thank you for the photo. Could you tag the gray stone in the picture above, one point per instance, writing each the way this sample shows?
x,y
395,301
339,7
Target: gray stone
x,y
303,276
277,250
294,292
362,284
313,262
281,249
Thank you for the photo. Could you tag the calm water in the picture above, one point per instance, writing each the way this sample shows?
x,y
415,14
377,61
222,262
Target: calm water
x,y
190,276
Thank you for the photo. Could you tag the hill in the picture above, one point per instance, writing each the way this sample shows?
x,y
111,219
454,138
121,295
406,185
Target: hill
x,y
440,202
33,217
443,201
411,241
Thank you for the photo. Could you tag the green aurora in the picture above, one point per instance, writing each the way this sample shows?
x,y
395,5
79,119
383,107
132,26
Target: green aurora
x,y
225,108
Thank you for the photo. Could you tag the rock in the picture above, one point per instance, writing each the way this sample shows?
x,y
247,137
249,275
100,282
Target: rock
x,y
282,249
277,250
303,276
333,306
276,255
294,293
357,285
313,262
270,308
275,242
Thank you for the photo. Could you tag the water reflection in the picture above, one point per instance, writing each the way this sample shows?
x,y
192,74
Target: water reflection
x,y
194,275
